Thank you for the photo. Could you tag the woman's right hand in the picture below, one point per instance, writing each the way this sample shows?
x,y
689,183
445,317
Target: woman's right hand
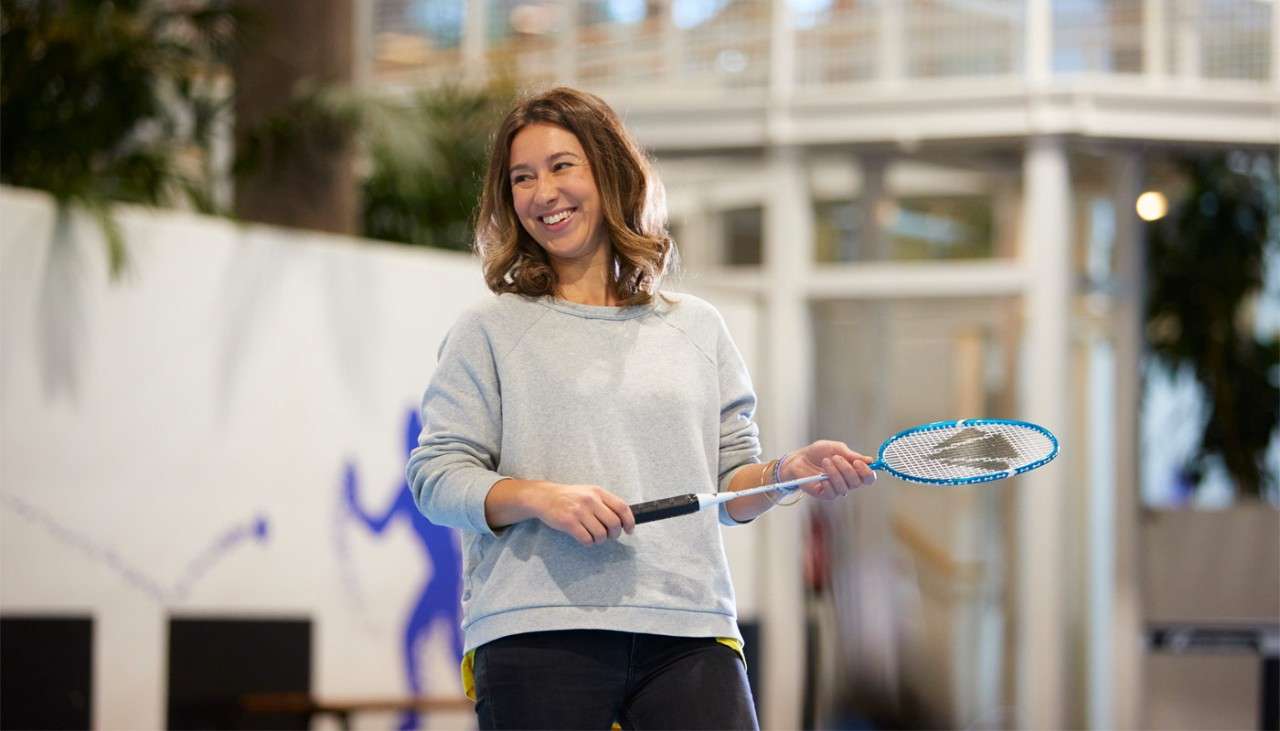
x,y
589,513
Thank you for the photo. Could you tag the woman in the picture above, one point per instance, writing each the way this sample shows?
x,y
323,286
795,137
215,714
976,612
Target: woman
x,y
578,390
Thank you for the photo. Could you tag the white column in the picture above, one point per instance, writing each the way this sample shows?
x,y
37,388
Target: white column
x,y
567,42
1039,40
785,405
891,63
976,626
672,43
475,41
1275,46
1097,481
1126,642
1040,654
782,71
362,43
872,199
1155,50
1187,40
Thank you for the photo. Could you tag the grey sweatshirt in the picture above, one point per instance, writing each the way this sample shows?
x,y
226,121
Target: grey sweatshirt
x,y
647,402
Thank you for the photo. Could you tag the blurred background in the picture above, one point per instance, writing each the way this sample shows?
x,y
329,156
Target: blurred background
x,y
234,233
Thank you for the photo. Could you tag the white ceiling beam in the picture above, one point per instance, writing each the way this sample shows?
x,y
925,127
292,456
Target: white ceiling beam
x,y
886,280
1229,113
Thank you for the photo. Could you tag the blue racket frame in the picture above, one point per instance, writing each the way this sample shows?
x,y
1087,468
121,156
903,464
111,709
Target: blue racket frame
x,y
939,425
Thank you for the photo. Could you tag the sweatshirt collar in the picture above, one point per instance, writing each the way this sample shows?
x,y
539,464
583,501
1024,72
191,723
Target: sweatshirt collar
x,y
594,312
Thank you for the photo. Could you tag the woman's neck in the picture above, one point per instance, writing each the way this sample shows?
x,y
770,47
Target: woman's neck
x,y
586,283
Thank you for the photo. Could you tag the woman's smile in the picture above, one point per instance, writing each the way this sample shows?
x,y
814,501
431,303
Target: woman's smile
x,y
557,221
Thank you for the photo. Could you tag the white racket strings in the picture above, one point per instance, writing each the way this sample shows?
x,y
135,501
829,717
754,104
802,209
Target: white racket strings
x,y
960,452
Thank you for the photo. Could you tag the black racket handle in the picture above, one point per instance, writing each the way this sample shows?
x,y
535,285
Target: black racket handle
x,y
665,508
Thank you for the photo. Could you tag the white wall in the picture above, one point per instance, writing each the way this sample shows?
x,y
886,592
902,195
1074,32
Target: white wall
x,y
228,377
225,382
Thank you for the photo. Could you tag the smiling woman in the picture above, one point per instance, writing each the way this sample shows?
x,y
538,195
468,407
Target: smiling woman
x,y
577,390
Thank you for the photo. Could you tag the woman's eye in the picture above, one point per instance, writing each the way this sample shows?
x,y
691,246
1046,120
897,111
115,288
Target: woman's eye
x,y
561,165
517,180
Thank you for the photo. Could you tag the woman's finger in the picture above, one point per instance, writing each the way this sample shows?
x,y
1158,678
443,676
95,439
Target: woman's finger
x,y
815,489
609,519
853,471
866,475
582,535
621,510
837,474
599,533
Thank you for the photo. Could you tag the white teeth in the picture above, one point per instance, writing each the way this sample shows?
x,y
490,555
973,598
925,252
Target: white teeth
x,y
557,218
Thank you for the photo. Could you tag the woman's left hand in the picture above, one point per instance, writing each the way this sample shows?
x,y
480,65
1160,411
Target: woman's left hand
x,y
845,469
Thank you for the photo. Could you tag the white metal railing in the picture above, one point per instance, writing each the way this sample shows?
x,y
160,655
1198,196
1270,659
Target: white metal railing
x,y
1096,38
730,49
964,38
727,44
838,46
1235,38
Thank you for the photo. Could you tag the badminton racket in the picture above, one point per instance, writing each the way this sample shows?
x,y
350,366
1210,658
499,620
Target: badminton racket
x,y
943,453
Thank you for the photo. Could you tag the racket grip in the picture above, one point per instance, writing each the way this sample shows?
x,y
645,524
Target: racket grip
x,y
665,508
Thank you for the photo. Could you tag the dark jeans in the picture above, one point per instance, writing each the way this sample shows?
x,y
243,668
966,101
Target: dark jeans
x,y
587,679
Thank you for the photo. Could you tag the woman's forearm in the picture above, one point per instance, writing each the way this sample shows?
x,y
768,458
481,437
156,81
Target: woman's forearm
x,y
510,501
748,476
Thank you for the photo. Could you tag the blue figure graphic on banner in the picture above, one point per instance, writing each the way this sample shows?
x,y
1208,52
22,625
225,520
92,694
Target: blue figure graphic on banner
x,y
439,601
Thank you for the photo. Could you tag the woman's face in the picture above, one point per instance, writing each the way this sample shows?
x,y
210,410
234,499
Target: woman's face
x,y
555,194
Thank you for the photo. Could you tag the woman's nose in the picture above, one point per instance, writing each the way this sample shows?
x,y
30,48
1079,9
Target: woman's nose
x,y
546,191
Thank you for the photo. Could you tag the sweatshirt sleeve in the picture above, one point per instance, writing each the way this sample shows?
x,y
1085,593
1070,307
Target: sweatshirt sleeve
x,y
453,467
739,435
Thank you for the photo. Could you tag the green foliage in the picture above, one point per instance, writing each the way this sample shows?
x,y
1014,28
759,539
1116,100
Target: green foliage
x,y
316,122
1205,274
427,159
111,101
118,101
423,155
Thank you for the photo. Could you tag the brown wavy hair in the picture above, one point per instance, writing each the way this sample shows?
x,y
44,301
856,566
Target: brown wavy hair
x,y
633,199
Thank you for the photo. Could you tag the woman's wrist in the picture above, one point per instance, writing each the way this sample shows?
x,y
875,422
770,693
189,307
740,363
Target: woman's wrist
x,y
779,467
512,500
771,474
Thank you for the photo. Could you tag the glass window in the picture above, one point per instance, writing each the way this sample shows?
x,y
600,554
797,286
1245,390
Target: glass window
x,y
836,226
439,20
936,227
744,237
913,227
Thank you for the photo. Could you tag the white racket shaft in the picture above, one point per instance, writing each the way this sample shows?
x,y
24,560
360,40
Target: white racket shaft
x,y
707,499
